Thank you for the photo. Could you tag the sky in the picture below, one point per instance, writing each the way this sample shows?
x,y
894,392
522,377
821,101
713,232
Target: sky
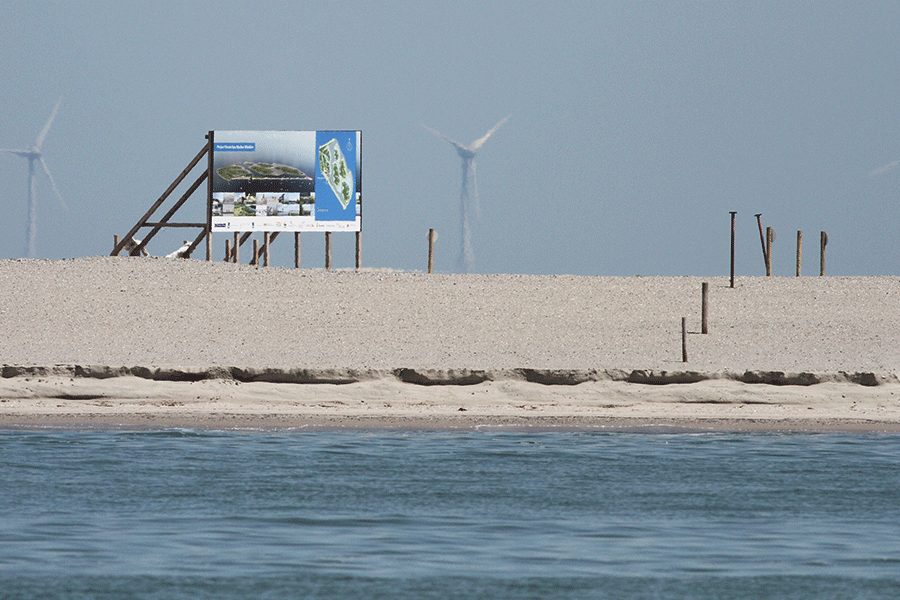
x,y
635,128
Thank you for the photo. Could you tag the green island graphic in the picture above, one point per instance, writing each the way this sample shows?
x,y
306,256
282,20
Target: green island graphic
x,y
251,170
334,168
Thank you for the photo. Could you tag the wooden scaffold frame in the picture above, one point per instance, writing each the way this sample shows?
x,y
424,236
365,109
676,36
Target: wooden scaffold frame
x,y
155,227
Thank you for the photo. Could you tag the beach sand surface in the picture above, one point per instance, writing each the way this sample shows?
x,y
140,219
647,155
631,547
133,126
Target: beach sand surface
x,y
148,342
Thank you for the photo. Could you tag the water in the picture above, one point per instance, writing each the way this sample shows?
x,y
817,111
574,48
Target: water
x,y
476,514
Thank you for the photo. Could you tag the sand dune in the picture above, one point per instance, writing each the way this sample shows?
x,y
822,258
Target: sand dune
x,y
144,341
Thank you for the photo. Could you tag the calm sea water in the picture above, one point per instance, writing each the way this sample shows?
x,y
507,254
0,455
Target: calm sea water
x,y
476,514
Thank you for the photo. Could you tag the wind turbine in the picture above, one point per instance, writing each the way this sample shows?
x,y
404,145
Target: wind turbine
x,y
33,155
467,154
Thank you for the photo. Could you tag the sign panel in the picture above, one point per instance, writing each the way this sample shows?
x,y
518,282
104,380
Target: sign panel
x,y
286,181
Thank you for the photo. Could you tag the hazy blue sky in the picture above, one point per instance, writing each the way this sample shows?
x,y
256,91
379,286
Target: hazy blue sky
x,y
635,128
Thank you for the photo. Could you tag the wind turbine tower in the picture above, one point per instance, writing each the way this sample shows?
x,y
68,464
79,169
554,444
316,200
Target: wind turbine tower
x,y
467,154
33,155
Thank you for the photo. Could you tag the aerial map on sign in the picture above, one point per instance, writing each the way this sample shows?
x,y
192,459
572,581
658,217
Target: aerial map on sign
x,y
251,170
334,167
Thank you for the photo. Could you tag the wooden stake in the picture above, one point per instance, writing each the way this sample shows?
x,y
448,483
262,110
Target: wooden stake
x,y
823,239
328,250
684,339
799,251
762,239
705,312
296,249
431,237
732,246
358,250
209,194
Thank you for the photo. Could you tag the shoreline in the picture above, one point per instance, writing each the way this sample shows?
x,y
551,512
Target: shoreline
x,y
714,405
637,426
445,377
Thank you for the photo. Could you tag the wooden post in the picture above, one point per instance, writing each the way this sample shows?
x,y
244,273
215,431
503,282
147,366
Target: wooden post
x,y
227,250
267,239
296,249
732,246
799,251
431,237
237,245
255,259
770,238
684,339
115,241
823,239
358,250
328,250
209,192
762,239
704,311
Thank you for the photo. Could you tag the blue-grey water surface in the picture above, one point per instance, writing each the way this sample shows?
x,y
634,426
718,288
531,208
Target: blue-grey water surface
x,y
465,514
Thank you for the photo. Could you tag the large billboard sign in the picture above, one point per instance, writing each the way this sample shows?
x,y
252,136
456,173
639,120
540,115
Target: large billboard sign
x,y
286,181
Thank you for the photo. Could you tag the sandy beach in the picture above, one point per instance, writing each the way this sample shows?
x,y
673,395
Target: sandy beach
x,y
149,342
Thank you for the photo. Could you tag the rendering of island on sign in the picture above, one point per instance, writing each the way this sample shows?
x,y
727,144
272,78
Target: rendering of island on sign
x,y
334,166
251,170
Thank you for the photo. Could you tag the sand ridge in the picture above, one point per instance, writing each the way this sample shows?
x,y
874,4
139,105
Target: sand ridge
x,y
580,349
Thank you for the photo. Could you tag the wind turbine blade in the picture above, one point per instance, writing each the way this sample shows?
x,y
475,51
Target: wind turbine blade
x,y
55,189
40,138
885,168
480,142
445,138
